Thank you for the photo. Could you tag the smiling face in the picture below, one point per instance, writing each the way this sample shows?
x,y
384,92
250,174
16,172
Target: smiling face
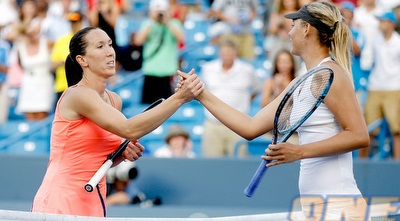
x,y
100,55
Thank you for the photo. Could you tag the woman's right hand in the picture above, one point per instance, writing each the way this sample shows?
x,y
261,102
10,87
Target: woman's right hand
x,y
133,151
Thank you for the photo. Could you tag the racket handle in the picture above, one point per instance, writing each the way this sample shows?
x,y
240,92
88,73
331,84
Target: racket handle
x,y
256,180
98,176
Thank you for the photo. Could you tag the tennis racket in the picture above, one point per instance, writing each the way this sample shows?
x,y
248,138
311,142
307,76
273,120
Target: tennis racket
x,y
113,157
301,100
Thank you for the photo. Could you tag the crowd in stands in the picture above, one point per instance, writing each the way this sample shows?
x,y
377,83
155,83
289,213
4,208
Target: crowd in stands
x,y
34,39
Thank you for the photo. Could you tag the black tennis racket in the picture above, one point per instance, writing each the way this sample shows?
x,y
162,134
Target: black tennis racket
x,y
113,157
296,107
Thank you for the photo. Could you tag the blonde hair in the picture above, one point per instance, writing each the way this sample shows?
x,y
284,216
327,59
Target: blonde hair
x,y
339,40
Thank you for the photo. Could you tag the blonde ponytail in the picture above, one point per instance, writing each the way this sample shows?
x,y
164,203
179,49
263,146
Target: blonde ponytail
x,y
338,39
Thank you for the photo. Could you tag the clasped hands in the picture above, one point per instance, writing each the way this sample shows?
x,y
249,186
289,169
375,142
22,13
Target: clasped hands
x,y
191,86
190,82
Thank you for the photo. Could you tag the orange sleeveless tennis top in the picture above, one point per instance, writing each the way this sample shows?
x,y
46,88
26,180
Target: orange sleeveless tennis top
x,y
78,149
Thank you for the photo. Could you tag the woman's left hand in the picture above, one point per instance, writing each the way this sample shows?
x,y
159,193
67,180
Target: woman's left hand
x,y
133,151
282,153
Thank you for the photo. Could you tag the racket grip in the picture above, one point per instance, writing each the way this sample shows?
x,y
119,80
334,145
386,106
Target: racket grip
x,y
256,180
98,175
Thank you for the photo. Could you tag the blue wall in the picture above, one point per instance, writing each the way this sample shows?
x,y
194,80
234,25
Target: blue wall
x,y
202,182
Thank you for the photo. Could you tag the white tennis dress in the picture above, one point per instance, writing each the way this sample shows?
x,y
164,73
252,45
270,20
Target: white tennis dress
x,y
37,90
325,176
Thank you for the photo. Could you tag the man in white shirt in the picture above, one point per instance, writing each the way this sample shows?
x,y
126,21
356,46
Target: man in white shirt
x,y
233,81
384,81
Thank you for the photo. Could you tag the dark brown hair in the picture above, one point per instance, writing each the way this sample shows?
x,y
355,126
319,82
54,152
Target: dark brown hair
x,y
77,46
292,70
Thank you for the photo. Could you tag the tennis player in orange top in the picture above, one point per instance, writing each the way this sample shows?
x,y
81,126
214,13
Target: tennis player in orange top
x,y
88,126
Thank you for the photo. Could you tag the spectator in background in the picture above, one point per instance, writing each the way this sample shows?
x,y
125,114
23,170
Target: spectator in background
x,y
15,72
235,82
359,76
266,16
178,10
365,20
396,11
60,52
384,81
159,35
37,85
283,73
236,18
8,12
131,55
59,8
340,2
277,37
44,19
305,2
27,12
178,144
196,11
388,5
5,49
14,33
53,17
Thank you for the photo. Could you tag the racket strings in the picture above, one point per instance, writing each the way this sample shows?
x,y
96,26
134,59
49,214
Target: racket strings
x,y
302,101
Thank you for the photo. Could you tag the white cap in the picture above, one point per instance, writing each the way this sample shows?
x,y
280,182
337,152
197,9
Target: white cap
x,y
159,5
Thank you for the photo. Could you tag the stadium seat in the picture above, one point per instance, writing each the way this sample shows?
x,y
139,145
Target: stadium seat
x,y
12,127
154,139
30,146
197,47
125,25
138,7
205,52
196,31
13,114
24,136
188,113
33,129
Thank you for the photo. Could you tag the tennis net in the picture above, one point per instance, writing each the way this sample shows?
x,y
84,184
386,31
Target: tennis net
x,y
377,213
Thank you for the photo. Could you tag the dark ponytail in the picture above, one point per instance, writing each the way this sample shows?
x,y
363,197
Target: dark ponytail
x,y
77,46
73,71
